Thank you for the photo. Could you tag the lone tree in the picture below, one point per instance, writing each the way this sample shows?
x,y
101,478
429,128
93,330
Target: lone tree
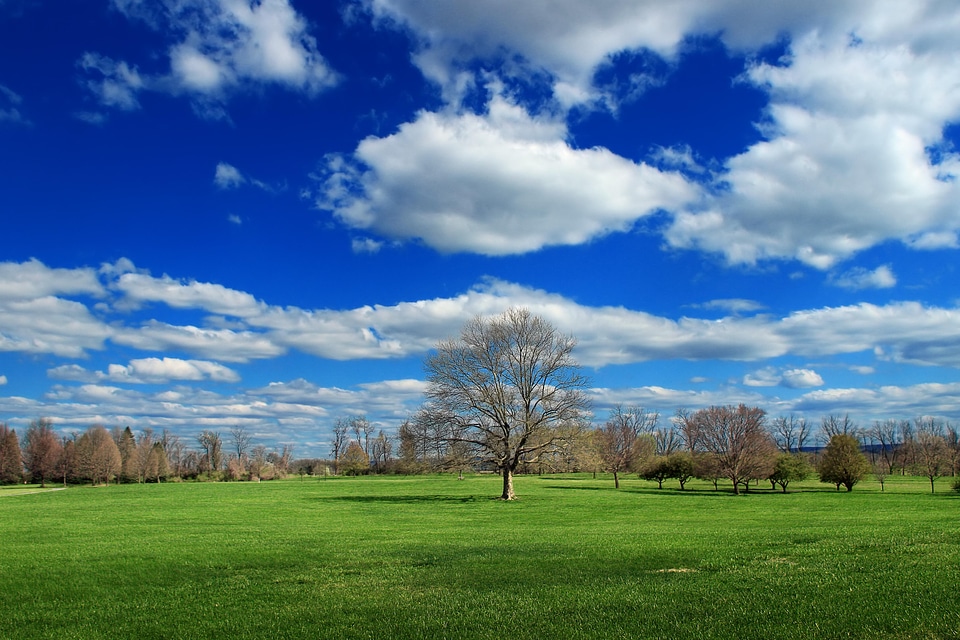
x,y
503,387
842,462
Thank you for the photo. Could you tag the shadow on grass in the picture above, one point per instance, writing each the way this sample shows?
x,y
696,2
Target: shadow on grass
x,y
407,499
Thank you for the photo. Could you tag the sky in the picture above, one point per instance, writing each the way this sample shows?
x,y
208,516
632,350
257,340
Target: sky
x,y
221,213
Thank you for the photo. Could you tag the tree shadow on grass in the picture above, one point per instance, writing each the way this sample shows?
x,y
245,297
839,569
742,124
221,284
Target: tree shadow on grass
x,y
414,499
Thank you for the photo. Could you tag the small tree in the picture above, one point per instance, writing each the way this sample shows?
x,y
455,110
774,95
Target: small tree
x,y
11,462
843,463
931,454
41,451
355,461
789,468
657,469
620,439
681,467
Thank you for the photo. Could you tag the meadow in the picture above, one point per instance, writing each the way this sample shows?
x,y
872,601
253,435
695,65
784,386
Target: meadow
x,y
434,557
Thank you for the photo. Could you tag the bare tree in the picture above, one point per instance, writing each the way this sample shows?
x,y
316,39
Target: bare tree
x,y
506,383
212,447
885,435
790,433
382,450
736,438
340,430
835,425
932,457
619,438
175,449
241,442
362,430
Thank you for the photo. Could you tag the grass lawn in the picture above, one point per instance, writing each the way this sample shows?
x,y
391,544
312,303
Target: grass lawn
x,y
433,557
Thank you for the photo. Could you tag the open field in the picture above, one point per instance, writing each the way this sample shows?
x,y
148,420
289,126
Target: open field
x,y
433,557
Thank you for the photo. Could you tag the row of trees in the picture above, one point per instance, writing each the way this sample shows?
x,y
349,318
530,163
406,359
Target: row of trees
x,y
99,456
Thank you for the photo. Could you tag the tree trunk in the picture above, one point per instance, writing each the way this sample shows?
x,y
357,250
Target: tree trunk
x,y
616,480
507,474
736,488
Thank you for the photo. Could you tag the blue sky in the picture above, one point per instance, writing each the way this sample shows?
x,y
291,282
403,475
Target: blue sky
x,y
219,213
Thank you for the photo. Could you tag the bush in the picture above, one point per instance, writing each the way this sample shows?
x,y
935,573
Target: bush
x,y
956,485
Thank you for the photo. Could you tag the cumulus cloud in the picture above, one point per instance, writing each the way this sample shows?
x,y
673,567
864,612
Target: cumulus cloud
x,y
501,183
801,379
845,164
852,152
217,46
859,278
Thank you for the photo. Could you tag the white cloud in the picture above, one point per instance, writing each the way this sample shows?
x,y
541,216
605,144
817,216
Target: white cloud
x,y
733,305
114,84
240,328
791,378
570,39
766,377
33,279
365,245
235,219
139,288
218,344
228,176
845,164
3,380
218,46
502,183
801,379
149,371
859,278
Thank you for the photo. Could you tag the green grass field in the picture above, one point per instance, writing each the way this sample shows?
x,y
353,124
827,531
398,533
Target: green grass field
x,y
433,557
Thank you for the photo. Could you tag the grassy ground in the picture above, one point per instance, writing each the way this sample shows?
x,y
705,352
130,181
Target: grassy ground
x,y
433,557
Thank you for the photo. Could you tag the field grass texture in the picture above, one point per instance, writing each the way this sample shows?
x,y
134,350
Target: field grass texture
x,y
434,557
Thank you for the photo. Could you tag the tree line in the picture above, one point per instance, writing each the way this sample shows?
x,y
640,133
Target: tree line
x,y
99,456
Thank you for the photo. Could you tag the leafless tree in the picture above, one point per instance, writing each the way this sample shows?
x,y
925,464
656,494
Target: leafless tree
x,y
241,442
508,382
619,438
340,430
736,438
362,430
790,433
835,425
932,454
212,447
382,450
